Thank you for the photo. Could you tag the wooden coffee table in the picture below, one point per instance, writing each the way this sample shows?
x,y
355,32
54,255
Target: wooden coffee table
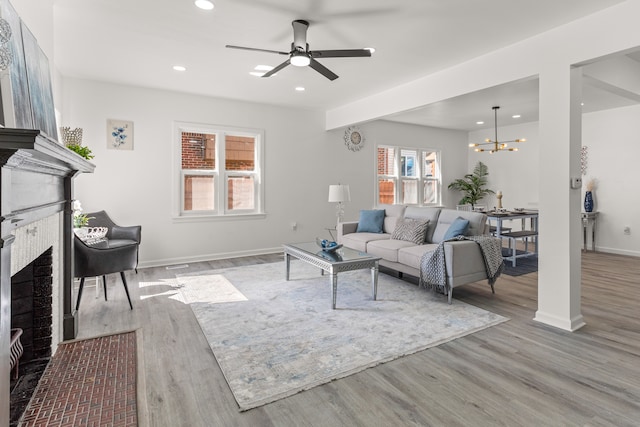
x,y
344,259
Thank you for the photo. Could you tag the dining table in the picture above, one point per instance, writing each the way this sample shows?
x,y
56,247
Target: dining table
x,y
527,232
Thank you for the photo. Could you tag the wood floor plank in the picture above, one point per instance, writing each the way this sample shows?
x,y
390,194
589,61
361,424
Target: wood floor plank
x,y
518,373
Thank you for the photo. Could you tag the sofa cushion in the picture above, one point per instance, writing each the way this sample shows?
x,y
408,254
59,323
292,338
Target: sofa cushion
x,y
358,241
391,215
387,249
429,213
457,228
411,230
371,221
477,223
412,255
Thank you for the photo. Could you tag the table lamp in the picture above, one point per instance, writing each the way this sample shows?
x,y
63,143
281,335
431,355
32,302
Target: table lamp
x,y
339,194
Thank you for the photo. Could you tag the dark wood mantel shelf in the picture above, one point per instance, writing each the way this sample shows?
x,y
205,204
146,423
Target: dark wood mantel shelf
x,y
36,181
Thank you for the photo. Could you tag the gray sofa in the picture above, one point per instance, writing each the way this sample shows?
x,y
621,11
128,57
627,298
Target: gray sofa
x,y
463,258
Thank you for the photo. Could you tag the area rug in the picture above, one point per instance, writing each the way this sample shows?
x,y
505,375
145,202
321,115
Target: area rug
x,y
88,382
273,338
523,265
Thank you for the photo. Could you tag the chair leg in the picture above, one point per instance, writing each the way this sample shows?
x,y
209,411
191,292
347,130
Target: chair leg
x,y
104,286
126,288
80,293
450,294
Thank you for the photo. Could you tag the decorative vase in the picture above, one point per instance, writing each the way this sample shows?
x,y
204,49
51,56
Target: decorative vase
x,y
588,201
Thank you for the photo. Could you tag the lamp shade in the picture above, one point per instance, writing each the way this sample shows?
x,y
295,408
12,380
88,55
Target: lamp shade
x,y
339,193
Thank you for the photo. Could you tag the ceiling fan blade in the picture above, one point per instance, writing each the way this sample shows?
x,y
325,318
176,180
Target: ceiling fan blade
x,y
275,70
344,53
323,70
300,33
257,50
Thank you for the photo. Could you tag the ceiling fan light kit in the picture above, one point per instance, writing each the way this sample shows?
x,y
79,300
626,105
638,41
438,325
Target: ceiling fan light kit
x,y
497,146
204,4
301,56
299,59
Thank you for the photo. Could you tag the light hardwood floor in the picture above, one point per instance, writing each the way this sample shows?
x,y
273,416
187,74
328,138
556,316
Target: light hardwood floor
x,y
518,373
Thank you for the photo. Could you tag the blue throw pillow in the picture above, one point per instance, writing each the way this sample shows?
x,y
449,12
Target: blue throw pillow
x,y
371,221
457,227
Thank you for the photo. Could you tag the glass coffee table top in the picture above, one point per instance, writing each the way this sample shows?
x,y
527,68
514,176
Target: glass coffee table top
x,y
339,255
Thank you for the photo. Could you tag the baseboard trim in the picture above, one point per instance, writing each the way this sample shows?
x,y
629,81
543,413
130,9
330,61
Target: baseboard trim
x,y
208,257
616,251
267,251
566,324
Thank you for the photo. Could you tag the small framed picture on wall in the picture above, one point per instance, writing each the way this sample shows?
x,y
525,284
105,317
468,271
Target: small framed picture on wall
x,y
119,134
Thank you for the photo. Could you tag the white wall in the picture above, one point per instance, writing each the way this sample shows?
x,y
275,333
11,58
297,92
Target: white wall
x,y
452,145
613,141
135,187
301,161
515,173
612,138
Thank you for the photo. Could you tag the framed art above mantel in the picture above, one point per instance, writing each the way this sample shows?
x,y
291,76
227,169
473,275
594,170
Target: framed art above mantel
x,y
25,87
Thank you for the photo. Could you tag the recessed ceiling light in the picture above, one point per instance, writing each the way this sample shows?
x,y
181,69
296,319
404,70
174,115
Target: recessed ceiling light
x,y
371,49
300,89
516,116
179,68
480,122
204,4
261,70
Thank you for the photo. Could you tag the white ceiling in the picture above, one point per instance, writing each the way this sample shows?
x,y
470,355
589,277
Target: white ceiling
x,y
137,42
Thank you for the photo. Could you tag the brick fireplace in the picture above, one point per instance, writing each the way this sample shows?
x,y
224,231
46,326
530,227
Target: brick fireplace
x,y
32,306
36,246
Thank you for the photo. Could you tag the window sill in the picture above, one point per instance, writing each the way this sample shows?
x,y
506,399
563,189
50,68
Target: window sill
x,y
213,218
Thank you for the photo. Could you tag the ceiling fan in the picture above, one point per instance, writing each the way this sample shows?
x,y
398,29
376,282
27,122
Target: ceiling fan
x,y
301,56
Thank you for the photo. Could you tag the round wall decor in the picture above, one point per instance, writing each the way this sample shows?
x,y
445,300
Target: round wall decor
x,y
353,138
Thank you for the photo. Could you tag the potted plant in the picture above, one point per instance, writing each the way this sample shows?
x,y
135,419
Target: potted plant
x,y
472,185
73,141
81,150
80,220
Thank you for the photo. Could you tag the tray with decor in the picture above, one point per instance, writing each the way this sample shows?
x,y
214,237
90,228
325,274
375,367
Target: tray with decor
x,y
328,245
91,235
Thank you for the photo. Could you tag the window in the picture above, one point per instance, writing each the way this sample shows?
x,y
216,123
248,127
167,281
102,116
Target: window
x,y
408,176
220,171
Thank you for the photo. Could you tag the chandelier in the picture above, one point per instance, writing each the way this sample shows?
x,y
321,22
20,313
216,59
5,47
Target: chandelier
x,y
497,146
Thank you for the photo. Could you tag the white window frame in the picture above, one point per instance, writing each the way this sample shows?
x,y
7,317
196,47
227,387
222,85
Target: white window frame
x,y
220,174
398,179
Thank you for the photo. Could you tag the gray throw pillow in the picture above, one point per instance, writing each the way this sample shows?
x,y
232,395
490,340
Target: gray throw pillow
x,y
411,230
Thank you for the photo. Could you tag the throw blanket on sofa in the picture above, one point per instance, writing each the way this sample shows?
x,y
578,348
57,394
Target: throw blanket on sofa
x,y
433,272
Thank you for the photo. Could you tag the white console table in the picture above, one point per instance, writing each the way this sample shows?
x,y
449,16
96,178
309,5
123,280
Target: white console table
x,y
589,219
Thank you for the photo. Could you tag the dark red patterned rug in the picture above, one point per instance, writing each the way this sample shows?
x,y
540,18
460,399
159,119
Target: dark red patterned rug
x,y
89,382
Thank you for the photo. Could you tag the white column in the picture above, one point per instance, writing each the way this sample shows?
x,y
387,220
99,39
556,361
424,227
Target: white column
x,y
559,275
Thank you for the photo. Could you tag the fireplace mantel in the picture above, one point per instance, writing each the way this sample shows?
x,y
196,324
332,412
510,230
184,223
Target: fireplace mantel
x,y
36,181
